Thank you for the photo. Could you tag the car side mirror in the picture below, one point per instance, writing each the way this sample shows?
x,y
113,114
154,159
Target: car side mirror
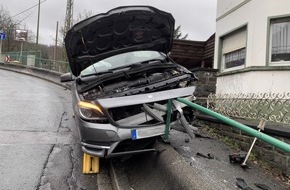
x,y
67,77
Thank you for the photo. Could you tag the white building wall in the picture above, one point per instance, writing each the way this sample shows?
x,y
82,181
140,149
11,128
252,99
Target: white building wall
x,y
254,82
255,14
224,6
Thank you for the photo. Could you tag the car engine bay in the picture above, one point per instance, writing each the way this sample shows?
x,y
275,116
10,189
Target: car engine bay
x,y
141,82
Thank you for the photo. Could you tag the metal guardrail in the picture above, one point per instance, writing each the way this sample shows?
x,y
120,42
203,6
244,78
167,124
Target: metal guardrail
x,y
59,66
33,59
269,106
264,137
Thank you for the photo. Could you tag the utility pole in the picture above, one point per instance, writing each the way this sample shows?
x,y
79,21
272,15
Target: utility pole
x,y
68,16
37,33
55,46
68,21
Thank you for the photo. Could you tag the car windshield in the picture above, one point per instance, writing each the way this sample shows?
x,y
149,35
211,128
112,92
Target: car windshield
x,y
121,60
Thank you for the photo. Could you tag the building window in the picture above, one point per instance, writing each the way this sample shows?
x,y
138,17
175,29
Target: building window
x,y
280,40
235,58
234,49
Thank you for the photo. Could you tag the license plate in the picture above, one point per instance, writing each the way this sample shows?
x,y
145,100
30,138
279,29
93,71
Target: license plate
x,y
147,132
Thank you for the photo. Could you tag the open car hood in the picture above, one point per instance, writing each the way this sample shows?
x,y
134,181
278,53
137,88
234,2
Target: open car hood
x,y
120,30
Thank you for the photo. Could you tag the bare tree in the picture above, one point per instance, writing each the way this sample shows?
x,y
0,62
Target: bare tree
x,y
8,25
81,16
178,34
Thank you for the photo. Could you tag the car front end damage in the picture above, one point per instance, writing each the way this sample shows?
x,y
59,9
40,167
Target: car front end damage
x,y
123,78
142,119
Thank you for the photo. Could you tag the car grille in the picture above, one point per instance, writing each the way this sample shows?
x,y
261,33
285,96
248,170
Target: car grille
x,y
138,115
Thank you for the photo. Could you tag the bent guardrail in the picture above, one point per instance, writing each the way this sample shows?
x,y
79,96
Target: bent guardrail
x,y
266,138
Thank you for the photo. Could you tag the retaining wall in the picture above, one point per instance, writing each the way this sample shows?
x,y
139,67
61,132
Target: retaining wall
x,y
51,76
205,84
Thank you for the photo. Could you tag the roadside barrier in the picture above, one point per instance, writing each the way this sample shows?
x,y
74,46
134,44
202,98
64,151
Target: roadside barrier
x,y
268,139
49,75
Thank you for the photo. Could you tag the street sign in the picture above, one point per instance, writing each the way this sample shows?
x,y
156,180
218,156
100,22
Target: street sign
x,y
3,36
20,35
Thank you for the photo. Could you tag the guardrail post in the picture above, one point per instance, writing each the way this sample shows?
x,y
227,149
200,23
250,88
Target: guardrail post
x,y
168,119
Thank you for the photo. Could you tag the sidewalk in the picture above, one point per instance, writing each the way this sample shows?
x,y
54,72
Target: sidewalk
x,y
219,173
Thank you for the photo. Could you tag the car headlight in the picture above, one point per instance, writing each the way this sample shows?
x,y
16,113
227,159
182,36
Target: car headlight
x,y
90,111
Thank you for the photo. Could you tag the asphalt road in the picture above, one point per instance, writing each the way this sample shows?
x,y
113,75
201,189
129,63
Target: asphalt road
x,y
39,146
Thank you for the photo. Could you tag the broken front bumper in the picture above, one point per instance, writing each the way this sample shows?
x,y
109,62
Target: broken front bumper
x,y
102,139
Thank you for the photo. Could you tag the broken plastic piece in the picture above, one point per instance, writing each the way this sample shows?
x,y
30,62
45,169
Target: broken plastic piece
x,y
262,186
208,156
242,184
237,158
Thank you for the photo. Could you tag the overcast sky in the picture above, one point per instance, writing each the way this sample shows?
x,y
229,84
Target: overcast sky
x,y
196,17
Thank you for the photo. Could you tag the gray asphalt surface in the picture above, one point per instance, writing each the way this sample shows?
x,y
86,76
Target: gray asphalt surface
x,y
39,146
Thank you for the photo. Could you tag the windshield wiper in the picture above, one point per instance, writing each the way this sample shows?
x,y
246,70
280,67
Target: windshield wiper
x,y
134,65
154,60
98,73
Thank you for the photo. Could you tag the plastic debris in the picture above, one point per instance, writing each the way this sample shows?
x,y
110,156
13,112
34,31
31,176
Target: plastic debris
x,y
262,186
208,156
242,184
237,158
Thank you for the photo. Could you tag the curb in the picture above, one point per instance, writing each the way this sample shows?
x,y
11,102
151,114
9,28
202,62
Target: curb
x,y
178,172
164,170
47,75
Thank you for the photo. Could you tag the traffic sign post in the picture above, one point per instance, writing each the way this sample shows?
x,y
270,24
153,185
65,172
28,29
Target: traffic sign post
x,y
0,46
2,37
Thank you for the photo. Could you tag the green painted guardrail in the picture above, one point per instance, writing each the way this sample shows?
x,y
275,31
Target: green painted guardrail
x,y
268,139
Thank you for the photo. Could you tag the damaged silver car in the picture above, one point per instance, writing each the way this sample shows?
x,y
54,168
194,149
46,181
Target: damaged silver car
x,y
122,78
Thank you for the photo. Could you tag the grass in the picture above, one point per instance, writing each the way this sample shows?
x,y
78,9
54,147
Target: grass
x,y
213,132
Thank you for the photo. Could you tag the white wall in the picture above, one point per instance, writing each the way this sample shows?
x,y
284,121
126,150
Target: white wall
x,y
224,6
255,82
255,14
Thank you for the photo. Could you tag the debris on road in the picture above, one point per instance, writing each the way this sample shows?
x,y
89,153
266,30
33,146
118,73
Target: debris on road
x,y
262,186
208,156
201,136
237,158
242,184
